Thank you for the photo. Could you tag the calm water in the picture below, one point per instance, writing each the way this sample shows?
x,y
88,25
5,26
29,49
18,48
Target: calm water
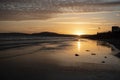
x,y
59,51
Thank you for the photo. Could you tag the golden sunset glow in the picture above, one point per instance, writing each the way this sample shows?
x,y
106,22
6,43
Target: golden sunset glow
x,y
60,39
79,33
54,17
77,24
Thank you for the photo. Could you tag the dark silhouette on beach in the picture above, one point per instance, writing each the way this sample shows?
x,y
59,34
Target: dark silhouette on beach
x,y
112,37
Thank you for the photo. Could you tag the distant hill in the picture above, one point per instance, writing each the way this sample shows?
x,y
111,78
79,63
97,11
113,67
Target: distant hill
x,y
52,34
42,34
46,34
13,34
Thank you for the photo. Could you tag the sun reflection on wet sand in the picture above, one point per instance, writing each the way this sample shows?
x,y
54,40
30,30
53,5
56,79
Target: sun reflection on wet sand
x,y
79,45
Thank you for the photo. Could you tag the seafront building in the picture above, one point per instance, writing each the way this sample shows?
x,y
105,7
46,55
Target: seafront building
x,y
115,28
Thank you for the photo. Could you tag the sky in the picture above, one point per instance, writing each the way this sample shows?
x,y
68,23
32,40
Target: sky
x,y
61,16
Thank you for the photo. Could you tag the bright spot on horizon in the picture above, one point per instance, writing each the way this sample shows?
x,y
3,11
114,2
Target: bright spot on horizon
x,y
79,33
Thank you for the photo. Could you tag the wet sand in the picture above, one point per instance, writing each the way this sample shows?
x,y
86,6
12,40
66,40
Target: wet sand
x,y
26,70
36,67
115,43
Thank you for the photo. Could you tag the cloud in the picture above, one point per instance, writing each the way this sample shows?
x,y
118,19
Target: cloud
x,y
65,22
117,14
46,9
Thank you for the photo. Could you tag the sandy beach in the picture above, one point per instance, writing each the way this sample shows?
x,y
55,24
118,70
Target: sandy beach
x,y
57,61
47,71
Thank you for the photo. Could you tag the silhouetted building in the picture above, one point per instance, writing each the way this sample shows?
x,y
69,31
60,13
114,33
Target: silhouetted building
x,y
115,28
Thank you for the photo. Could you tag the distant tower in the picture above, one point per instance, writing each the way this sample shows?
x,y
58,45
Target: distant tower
x,y
115,28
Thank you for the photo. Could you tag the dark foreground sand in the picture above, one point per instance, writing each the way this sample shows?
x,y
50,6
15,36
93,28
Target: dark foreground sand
x,y
50,71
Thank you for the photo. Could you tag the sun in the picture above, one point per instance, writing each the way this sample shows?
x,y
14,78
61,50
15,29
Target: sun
x,y
79,33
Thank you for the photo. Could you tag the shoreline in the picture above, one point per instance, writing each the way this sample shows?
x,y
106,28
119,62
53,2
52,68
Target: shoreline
x,y
115,43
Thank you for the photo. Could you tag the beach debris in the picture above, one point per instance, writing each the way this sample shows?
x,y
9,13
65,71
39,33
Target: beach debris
x,y
105,57
76,54
93,54
103,61
88,50
113,49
